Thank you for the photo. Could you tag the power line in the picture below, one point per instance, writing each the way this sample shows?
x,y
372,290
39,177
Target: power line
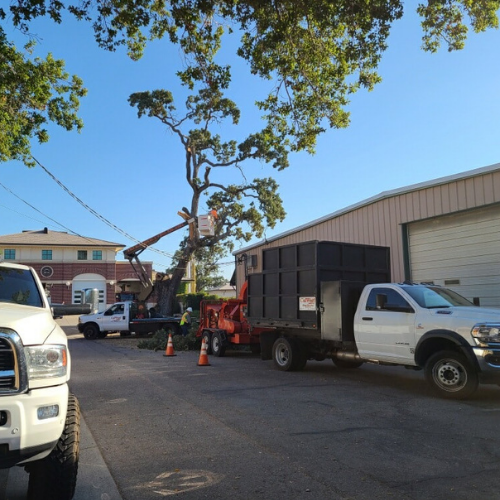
x,y
23,215
40,212
95,213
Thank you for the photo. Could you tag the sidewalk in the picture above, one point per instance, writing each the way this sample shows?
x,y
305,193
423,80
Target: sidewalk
x,y
94,479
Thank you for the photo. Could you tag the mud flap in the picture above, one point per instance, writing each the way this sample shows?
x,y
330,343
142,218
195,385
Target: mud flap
x,y
267,340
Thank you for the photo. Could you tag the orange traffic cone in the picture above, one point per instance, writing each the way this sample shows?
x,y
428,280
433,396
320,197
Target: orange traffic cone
x,y
203,361
169,351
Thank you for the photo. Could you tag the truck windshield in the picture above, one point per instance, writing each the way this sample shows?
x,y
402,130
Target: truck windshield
x,y
432,297
19,287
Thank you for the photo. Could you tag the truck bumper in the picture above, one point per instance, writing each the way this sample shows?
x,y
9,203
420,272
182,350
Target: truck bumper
x,y
489,364
24,434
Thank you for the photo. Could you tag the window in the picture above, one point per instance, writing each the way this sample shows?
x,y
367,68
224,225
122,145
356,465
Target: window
x,y
394,300
9,254
96,254
46,254
18,286
435,297
82,255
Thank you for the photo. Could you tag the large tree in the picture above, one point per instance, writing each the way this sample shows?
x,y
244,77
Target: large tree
x,y
243,209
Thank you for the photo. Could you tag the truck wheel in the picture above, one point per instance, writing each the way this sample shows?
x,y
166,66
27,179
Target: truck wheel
x,y
91,332
346,364
207,338
451,375
102,335
285,354
54,477
217,344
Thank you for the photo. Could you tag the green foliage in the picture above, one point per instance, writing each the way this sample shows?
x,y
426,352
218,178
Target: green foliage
x,y
207,269
193,300
446,20
158,342
318,53
33,93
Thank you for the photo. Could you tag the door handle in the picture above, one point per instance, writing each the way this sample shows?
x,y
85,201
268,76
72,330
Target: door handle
x,y
366,318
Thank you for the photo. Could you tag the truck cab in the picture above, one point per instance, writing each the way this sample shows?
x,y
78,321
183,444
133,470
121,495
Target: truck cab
x,y
433,328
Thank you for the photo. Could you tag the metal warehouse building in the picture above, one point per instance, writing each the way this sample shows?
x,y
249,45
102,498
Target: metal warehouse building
x,y
445,231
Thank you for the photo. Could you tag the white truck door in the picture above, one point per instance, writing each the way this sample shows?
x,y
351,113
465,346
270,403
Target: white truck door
x,y
114,319
385,328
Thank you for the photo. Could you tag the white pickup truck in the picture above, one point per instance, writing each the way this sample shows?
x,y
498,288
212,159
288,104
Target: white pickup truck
x,y
125,317
419,326
39,418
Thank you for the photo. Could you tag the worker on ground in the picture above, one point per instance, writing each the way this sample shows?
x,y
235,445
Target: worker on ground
x,y
186,321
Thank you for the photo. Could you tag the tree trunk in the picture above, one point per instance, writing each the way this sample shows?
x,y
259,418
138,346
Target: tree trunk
x,y
167,289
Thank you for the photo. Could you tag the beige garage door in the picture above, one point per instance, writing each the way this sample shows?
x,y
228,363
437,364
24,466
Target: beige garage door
x,y
461,251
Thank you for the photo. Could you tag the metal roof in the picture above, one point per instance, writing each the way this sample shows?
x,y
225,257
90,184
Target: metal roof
x,y
383,195
45,237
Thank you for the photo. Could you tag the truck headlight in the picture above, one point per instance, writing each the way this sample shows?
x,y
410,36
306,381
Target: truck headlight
x,y
46,361
486,333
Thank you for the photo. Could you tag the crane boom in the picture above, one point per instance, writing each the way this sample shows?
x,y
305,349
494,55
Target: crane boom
x,y
133,252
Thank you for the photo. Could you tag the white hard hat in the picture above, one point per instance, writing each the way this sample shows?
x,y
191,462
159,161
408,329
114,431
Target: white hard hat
x,y
189,309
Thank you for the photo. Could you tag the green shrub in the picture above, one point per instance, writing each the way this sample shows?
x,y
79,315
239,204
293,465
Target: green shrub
x,y
193,299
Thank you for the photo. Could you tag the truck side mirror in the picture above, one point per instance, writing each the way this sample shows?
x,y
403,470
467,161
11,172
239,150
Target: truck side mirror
x,y
380,300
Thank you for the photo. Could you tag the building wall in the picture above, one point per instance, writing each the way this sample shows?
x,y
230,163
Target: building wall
x,y
382,222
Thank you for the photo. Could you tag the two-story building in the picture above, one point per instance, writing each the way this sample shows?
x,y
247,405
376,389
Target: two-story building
x,y
68,264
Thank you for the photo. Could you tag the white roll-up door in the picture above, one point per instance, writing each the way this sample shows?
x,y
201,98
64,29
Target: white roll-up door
x,y
83,281
461,251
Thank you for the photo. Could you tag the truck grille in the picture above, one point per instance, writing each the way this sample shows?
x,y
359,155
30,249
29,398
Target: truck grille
x,y
7,366
13,373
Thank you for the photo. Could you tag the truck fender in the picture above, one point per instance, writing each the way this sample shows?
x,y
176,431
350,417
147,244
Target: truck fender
x,y
437,340
267,340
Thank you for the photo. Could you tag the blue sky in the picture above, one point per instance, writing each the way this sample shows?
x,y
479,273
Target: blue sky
x,y
433,115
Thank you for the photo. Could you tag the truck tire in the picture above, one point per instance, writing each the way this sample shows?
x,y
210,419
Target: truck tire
x,y
91,331
54,477
285,354
217,345
451,375
346,364
102,335
207,337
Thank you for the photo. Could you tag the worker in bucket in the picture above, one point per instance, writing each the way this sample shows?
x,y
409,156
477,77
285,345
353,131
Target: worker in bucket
x,y
186,321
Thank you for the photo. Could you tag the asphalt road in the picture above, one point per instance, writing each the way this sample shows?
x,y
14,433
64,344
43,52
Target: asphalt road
x,y
239,429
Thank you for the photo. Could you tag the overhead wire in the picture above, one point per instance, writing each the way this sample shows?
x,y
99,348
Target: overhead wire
x,y
92,211
40,212
23,215
95,213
